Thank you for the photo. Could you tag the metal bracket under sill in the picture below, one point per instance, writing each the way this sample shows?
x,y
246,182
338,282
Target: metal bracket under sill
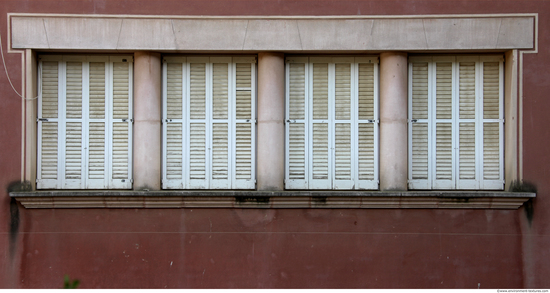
x,y
272,199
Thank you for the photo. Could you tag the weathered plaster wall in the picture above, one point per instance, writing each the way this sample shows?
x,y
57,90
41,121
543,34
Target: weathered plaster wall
x,y
221,248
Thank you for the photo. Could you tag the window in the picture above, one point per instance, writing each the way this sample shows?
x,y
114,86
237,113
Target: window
x,y
456,122
331,123
209,115
84,122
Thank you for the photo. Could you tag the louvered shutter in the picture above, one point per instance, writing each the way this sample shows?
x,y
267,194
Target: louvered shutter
x,y
332,123
320,176
221,148
121,124
443,175
174,126
97,172
296,131
48,120
209,122
244,125
492,123
420,91
468,171
367,124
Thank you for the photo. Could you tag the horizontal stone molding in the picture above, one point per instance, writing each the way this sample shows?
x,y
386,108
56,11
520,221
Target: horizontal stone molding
x,y
267,199
283,34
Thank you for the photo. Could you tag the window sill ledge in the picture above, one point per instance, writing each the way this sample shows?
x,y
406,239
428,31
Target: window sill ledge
x,y
275,199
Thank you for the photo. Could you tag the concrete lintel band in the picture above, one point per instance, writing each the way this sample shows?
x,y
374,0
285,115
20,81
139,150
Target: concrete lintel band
x,y
393,121
290,34
147,121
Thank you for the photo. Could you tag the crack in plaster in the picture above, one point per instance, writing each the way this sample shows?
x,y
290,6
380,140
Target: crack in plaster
x,y
119,32
245,34
498,34
46,32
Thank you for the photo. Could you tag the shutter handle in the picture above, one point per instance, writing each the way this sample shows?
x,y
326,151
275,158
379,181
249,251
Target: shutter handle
x,y
42,119
290,121
414,120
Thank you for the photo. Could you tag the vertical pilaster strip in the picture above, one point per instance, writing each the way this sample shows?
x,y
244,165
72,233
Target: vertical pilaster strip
x,y
31,112
271,130
393,121
511,117
147,121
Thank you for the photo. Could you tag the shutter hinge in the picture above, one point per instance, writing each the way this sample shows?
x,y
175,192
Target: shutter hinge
x,y
255,60
254,181
290,121
41,119
413,120
167,120
284,181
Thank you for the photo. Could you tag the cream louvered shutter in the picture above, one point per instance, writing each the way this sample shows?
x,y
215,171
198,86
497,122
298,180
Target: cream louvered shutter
x,y
344,155
419,127
209,122
320,176
48,130
492,117
221,148
467,170
296,131
366,151
121,124
443,175
244,175
174,128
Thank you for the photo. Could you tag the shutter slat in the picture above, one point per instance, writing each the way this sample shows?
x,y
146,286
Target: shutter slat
x,y
220,157
73,150
444,91
121,90
49,150
320,151
120,151
197,151
244,105
174,98
198,91
297,96
420,151
366,152
443,151
220,98
73,100
342,152
243,75
420,91
243,141
366,91
491,151
320,91
467,151
491,90
467,90
50,76
174,156
97,90
297,151
343,91
96,147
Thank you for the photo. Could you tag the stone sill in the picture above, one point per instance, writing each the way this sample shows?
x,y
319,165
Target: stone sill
x,y
275,199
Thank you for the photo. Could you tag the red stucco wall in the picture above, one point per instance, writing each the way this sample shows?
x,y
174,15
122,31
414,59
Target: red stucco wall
x,y
227,248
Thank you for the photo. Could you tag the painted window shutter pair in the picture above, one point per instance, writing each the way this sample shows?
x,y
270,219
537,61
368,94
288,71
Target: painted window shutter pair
x,y
456,122
84,122
209,122
332,123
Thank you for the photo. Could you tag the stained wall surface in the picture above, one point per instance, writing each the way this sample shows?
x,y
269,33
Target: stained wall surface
x,y
279,248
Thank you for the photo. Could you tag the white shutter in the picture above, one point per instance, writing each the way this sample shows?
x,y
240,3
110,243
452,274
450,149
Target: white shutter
x,y
321,157
198,172
121,125
344,157
220,141
492,124
443,175
332,123
419,93
48,155
367,129
174,130
296,132
244,117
